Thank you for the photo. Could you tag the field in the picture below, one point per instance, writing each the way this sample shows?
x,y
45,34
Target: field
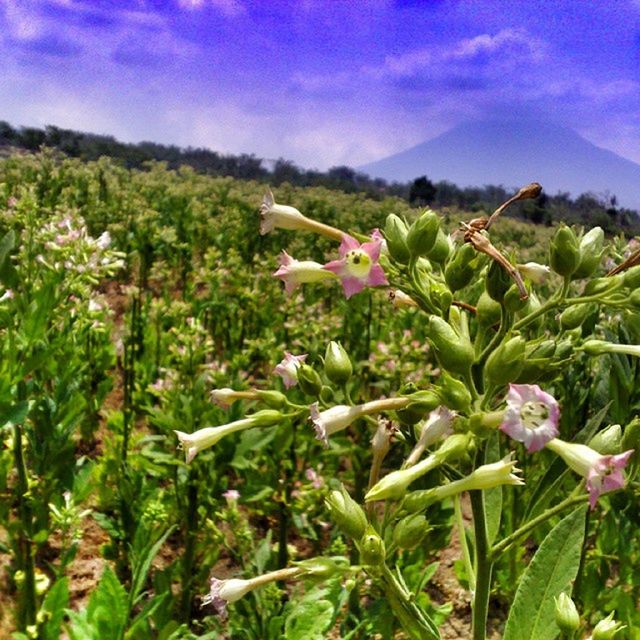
x,y
140,307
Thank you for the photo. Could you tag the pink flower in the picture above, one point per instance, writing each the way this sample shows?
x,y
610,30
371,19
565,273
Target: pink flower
x,y
358,265
288,369
231,496
531,417
603,473
312,476
296,272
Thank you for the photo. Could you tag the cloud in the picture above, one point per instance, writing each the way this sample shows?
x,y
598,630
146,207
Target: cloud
x,y
228,8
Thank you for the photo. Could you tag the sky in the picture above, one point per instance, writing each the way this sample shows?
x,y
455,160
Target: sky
x,y
320,82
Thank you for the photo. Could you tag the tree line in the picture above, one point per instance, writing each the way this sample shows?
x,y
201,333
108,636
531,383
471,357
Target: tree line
x,y
589,209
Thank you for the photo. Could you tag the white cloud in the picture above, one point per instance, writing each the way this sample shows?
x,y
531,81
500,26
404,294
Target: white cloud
x,y
228,8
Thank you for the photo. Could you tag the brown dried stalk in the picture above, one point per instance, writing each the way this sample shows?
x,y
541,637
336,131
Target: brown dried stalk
x,y
631,261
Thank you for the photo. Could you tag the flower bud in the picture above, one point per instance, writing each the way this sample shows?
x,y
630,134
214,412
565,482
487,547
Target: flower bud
x,y
600,285
631,277
506,362
566,614
440,296
631,436
395,231
488,311
461,269
634,300
454,352
422,234
441,248
346,513
595,347
497,282
607,628
372,551
564,251
337,365
591,252
608,441
265,418
573,317
323,568
420,403
512,300
309,380
273,399
453,393
410,531
327,395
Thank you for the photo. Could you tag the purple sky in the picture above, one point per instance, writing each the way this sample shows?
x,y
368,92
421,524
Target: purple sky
x,y
320,82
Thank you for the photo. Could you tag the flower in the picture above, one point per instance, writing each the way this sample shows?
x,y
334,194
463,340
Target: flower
x,y
226,397
231,496
603,473
332,420
535,272
104,240
288,369
193,443
280,216
7,295
607,628
436,426
296,272
358,265
531,417
566,614
312,476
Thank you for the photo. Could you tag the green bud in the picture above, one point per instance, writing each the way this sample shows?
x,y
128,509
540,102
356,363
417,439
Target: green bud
x,y
441,249
337,365
573,317
566,614
417,501
608,441
461,269
323,568
607,628
564,350
440,296
455,446
591,253
309,380
512,300
410,531
453,393
422,234
595,347
564,251
631,436
632,323
421,403
631,277
454,352
266,418
273,399
544,349
506,362
634,300
533,304
600,285
497,282
346,513
372,551
327,395
395,232
488,311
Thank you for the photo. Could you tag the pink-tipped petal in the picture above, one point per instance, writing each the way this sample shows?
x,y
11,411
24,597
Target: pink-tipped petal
x,y
352,286
348,244
372,249
377,277
335,266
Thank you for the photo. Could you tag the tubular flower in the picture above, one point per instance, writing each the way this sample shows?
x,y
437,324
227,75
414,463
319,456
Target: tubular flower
x,y
193,443
226,397
603,473
341,416
296,272
436,426
358,265
288,369
537,273
281,216
531,417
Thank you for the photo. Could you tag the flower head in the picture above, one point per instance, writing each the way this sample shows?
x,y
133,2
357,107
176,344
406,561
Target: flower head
x,y
288,368
537,273
607,628
603,473
231,496
296,272
226,397
358,265
332,420
531,417
223,591
279,216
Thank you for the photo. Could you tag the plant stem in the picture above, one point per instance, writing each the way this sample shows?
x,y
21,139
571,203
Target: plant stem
x,y
505,543
466,556
484,567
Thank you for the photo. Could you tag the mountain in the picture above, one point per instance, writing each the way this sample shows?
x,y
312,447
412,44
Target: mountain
x,y
514,153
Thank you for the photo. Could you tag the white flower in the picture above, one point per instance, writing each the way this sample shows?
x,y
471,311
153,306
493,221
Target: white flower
x,y
537,273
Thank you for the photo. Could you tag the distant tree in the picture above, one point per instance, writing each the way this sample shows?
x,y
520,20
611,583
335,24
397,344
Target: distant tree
x,y
8,135
285,171
422,192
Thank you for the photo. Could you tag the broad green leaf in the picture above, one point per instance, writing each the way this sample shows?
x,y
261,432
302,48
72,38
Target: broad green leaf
x,y
54,604
310,618
492,497
552,571
15,414
107,608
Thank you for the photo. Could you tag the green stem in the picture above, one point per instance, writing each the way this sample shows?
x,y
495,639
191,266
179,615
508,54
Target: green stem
x,y
466,556
505,543
484,567
550,304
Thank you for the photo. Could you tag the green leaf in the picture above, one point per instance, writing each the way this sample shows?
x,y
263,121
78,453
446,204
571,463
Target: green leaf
x,y
310,618
54,604
493,497
15,414
6,244
552,571
107,608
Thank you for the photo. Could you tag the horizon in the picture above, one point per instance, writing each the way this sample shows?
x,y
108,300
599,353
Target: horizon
x,y
316,86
